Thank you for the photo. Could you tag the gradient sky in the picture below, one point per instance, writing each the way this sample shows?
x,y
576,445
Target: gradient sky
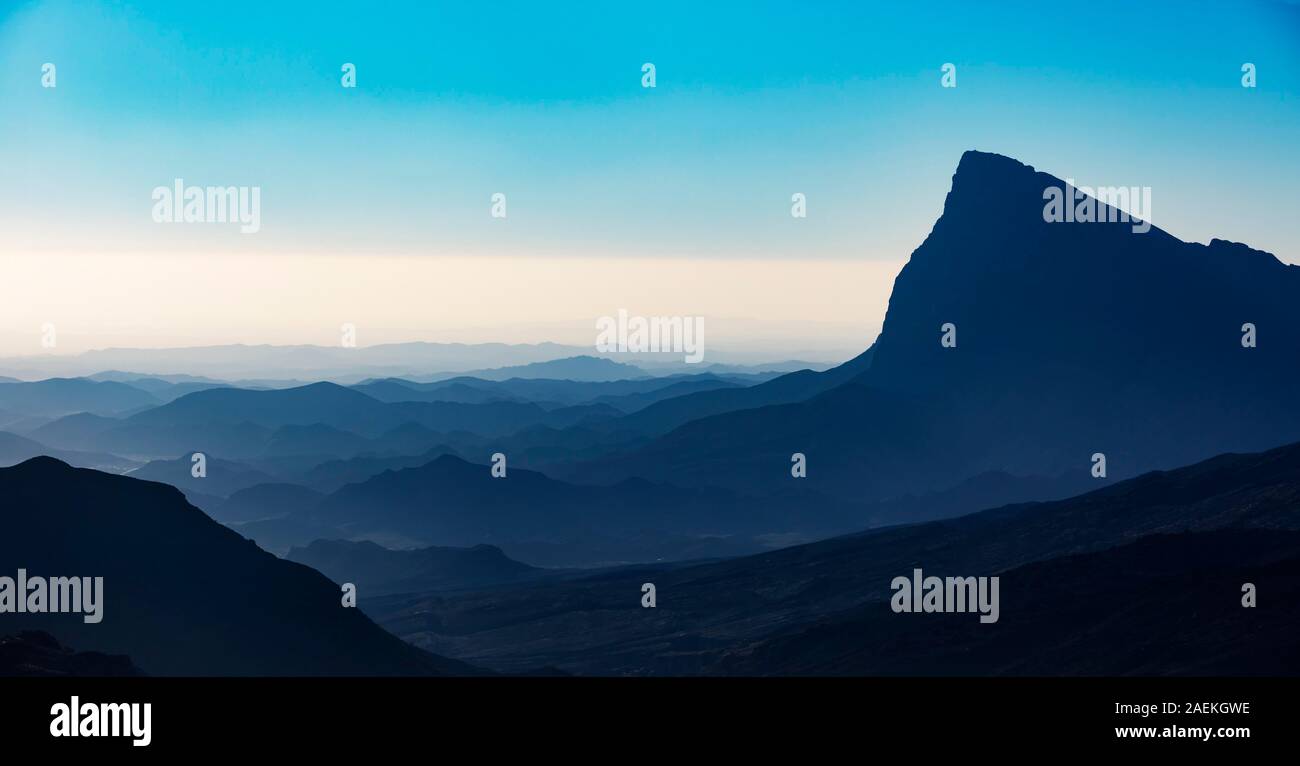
x,y
375,200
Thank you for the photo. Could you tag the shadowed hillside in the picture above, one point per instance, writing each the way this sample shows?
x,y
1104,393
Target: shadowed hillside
x,y
182,594
1154,556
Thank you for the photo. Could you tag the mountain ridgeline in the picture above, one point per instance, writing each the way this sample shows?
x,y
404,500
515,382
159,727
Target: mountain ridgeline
x,y
1015,354
1070,339
1083,337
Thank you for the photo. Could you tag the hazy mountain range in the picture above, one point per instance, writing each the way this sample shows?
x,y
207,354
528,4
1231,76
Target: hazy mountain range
x,y
378,466
1140,577
281,366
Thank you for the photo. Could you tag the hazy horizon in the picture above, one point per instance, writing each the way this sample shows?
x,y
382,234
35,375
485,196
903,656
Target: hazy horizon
x,y
825,311
376,202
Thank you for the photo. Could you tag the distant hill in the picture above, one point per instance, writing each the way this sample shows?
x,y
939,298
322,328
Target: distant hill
x,y
15,449
78,431
664,416
315,439
335,474
321,419
626,394
182,594
148,382
576,368
223,477
63,396
1143,576
463,390
379,571
633,402
264,501
350,410
243,362
449,501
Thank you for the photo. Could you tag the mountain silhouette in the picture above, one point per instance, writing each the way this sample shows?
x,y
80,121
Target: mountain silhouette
x,y
1091,336
182,595
1071,339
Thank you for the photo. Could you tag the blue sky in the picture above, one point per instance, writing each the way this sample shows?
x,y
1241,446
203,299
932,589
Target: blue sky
x,y
543,102
753,102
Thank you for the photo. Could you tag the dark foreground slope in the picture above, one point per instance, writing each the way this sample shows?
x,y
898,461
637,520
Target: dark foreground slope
x,y
183,595
35,653
1164,605
1168,602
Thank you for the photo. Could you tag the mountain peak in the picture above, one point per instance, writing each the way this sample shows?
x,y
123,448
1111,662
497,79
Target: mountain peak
x,y
1111,318
987,184
976,162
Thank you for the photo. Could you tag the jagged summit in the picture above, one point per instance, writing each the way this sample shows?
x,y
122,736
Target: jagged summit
x,y
976,161
996,188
